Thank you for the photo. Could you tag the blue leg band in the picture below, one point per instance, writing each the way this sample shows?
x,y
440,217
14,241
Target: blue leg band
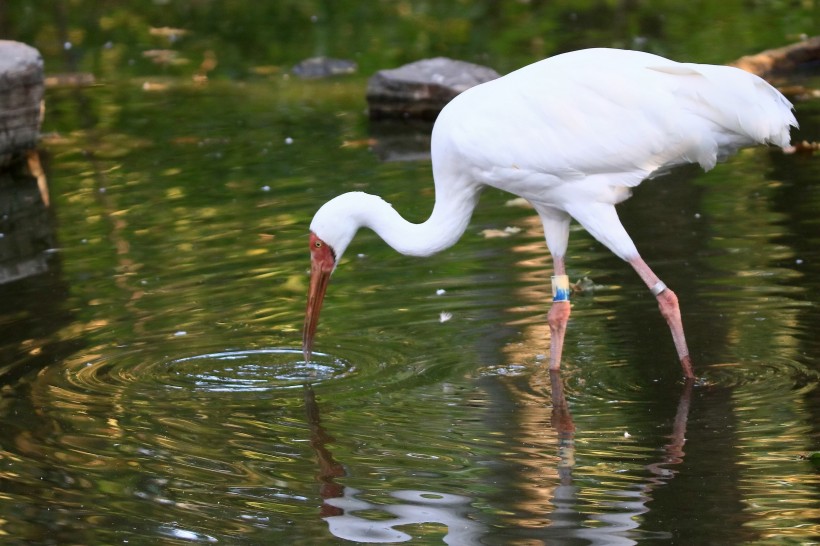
x,y
560,288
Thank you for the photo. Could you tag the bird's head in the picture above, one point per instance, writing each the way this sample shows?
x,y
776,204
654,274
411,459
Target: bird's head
x,y
331,231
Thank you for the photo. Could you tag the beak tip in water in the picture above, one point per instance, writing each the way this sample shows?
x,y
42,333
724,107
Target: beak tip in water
x,y
307,335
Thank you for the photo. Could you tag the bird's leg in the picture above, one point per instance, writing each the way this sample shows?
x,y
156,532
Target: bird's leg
x,y
557,318
668,304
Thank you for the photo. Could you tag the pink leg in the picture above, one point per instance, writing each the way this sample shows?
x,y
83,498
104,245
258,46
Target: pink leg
x,y
558,318
670,310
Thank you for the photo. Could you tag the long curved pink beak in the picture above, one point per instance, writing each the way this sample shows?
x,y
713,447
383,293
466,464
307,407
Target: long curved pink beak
x,y
318,286
322,263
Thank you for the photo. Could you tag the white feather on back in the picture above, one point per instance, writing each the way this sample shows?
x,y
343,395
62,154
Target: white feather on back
x,y
604,117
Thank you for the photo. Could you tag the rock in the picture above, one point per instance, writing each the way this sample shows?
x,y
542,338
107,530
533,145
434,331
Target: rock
x,y
421,89
21,96
323,67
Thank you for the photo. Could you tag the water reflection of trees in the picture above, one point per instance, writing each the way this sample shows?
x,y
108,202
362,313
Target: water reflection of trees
x,y
112,35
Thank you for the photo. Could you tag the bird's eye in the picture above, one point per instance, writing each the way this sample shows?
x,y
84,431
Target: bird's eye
x,y
318,244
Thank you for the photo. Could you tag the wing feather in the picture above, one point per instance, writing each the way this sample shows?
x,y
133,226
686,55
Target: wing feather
x,y
602,114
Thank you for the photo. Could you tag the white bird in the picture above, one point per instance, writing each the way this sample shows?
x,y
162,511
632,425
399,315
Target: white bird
x,y
572,134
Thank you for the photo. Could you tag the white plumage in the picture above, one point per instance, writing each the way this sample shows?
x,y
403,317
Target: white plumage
x,y
572,134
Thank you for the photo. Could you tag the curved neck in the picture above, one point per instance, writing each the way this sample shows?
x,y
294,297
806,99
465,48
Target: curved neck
x,y
450,217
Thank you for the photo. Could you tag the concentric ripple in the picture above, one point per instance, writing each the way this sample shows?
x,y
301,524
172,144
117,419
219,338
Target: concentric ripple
x,y
237,371
166,373
783,371
254,370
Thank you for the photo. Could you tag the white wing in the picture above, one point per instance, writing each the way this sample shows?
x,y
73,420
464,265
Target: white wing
x,y
608,117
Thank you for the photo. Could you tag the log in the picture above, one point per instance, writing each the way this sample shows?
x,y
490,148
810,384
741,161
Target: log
x,y
782,59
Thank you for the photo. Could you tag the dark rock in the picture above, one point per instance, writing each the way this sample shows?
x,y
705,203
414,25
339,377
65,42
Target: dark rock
x,y
402,139
21,95
26,234
323,67
421,89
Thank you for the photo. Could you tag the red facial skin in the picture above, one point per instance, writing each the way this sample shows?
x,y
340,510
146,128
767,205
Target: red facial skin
x,y
322,262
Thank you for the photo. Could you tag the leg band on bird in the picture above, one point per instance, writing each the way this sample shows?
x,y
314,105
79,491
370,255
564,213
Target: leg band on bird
x,y
560,288
659,287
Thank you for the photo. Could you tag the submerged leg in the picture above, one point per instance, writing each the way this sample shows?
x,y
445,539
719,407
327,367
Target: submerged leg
x,y
668,304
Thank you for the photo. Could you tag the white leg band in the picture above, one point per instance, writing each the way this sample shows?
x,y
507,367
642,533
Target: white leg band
x,y
658,288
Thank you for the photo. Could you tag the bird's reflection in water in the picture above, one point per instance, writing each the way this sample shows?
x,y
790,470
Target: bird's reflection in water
x,y
561,420
621,516
340,504
414,507
329,468
611,525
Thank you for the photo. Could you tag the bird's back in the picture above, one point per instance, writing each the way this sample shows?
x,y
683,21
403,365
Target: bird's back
x,y
603,116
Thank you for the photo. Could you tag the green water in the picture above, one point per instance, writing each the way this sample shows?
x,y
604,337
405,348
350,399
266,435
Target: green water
x,y
153,388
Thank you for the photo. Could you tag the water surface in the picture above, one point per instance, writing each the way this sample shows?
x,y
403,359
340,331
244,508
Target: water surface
x,y
154,390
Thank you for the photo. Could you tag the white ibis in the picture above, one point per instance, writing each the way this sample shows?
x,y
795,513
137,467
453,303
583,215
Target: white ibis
x,y
572,134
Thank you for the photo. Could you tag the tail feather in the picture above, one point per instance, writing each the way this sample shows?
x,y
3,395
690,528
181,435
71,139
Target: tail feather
x,y
745,105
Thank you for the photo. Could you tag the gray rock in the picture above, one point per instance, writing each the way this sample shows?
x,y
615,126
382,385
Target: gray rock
x,y
21,95
421,89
